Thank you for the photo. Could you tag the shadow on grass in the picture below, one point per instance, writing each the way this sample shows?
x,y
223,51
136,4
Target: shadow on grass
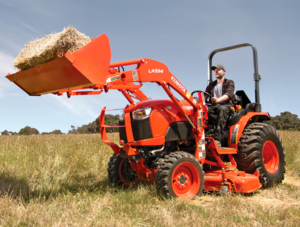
x,y
20,188
232,194
12,185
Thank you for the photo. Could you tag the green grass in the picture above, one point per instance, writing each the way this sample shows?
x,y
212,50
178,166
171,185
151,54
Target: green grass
x,y
291,142
61,180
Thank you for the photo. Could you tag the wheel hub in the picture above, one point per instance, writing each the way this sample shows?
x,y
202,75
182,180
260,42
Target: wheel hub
x,y
182,179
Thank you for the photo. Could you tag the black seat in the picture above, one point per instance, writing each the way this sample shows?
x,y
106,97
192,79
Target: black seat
x,y
240,99
235,118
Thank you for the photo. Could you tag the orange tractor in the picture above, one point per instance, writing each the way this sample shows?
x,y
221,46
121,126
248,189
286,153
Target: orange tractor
x,y
167,141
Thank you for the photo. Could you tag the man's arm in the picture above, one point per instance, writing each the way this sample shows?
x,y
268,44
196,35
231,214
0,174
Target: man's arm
x,y
229,93
230,89
223,98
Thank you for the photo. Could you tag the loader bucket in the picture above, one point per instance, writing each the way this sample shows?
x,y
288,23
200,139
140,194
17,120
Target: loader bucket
x,y
86,67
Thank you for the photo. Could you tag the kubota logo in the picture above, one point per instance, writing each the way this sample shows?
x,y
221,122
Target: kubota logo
x,y
178,84
156,71
188,107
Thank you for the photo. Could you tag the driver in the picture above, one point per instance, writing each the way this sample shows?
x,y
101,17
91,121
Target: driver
x,y
222,98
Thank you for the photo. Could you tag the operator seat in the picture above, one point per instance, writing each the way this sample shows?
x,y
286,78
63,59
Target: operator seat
x,y
240,99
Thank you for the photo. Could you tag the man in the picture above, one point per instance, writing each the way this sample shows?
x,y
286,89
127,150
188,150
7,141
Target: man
x,y
222,97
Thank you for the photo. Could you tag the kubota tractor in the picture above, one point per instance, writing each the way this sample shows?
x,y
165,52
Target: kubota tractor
x,y
167,141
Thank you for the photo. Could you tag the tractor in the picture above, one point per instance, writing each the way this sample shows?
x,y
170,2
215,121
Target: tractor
x,y
167,141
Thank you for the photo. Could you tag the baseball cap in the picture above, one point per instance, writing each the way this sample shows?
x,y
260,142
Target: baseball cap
x,y
218,66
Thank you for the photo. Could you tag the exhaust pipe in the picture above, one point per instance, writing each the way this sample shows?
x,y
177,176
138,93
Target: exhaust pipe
x,y
152,153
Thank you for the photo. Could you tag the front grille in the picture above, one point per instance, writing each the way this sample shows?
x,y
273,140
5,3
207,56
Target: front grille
x,y
141,129
122,131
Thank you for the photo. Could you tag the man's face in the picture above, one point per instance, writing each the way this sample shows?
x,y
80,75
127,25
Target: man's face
x,y
219,73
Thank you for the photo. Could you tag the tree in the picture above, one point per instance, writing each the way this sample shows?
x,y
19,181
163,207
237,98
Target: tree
x,y
8,133
93,127
12,133
5,133
28,131
286,121
73,130
111,120
56,131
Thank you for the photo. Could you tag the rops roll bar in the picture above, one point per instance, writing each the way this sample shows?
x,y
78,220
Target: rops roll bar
x,y
257,77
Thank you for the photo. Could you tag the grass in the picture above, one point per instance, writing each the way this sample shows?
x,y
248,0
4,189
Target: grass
x,y
291,142
61,180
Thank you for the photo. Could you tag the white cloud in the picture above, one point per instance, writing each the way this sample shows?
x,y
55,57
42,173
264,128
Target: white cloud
x,y
6,66
77,105
30,28
6,63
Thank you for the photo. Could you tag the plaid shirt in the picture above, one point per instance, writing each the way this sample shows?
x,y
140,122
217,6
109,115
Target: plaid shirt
x,y
227,89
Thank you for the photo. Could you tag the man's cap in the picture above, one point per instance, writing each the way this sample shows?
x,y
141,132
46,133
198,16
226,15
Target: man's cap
x,y
218,66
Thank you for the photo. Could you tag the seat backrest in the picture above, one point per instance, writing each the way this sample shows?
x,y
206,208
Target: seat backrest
x,y
241,98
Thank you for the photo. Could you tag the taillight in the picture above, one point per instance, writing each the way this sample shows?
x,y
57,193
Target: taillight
x,y
142,113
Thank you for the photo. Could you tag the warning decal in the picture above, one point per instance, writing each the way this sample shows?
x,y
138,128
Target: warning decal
x,y
135,75
113,78
188,95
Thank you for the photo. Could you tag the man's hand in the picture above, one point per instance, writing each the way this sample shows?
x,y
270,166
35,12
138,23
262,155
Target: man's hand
x,y
214,100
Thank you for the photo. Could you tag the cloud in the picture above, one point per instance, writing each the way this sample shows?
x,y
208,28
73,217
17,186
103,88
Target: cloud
x,y
30,28
79,106
6,63
6,66
35,6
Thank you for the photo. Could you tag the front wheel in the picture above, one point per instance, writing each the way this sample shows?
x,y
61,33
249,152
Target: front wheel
x,y
120,171
260,148
179,174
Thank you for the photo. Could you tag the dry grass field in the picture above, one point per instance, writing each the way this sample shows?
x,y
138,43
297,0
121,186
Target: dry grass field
x,y
61,180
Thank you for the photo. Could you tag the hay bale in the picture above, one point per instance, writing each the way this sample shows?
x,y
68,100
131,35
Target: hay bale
x,y
50,47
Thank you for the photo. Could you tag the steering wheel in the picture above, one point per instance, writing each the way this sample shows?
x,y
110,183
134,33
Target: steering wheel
x,y
208,104
201,91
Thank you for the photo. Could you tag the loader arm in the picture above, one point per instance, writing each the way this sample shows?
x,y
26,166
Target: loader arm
x,y
149,70
88,71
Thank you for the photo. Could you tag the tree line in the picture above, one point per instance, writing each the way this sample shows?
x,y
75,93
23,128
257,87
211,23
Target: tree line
x,y
284,121
92,127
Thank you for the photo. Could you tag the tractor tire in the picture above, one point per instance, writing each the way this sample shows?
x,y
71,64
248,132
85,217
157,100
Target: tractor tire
x,y
179,174
120,171
260,148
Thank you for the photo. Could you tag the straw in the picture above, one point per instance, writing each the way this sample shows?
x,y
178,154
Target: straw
x,y
50,47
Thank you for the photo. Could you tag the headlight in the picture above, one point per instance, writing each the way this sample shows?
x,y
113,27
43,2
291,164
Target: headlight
x,y
142,113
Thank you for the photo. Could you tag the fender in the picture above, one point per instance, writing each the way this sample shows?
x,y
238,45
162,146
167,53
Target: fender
x,y
236,131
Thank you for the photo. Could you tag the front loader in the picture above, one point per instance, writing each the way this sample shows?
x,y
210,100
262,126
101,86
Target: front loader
x,y
167,141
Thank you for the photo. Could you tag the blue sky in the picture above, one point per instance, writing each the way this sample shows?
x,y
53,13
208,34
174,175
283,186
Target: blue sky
x,y
180,34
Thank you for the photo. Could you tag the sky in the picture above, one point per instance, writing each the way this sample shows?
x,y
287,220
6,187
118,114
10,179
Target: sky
x,y
180,34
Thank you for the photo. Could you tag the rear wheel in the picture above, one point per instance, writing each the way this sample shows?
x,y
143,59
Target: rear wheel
x,y
260,148
120,171
179,174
